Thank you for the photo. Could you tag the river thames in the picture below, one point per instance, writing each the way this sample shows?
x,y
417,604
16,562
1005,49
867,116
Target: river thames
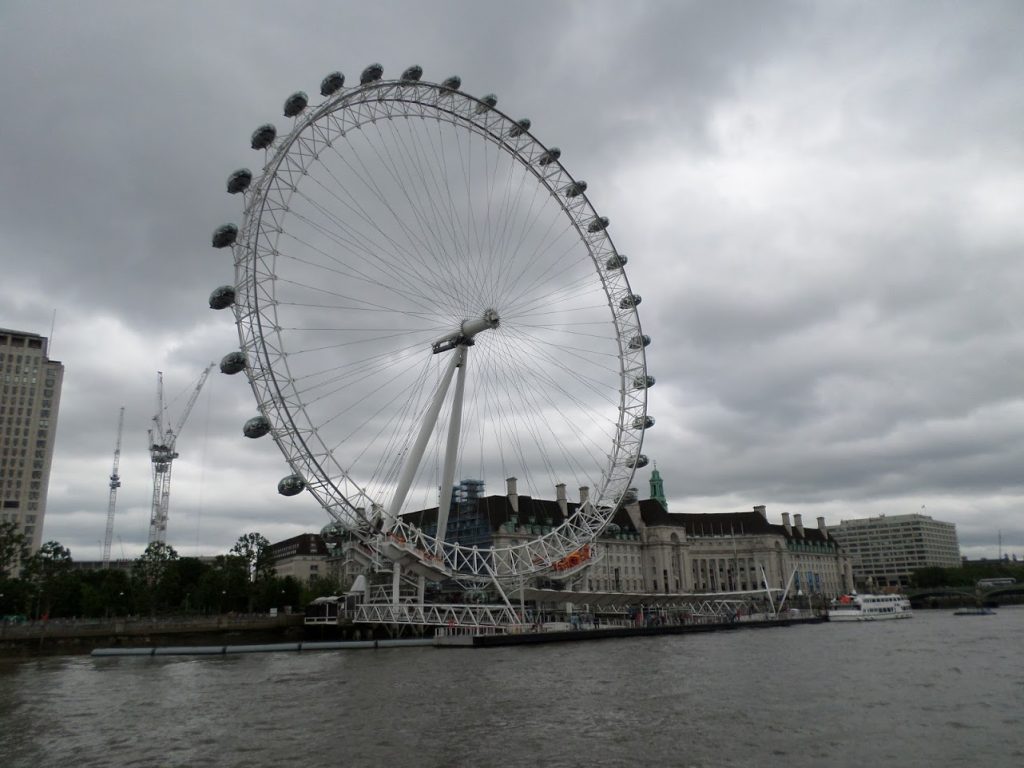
x,y
937,690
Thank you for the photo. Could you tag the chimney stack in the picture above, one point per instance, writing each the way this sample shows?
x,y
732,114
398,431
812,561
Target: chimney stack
x,y
822,528
563,502
798,523
760,509
513,495
785,523
584,494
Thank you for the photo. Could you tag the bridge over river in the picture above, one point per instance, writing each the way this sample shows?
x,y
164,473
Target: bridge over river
x,y
1004,593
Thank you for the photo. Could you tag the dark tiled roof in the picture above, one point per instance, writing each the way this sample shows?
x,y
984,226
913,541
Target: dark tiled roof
x,y
544,512
653,514
303,544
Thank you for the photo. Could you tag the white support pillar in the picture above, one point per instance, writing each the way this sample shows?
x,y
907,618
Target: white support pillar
x,y
396,582
444,504
412,461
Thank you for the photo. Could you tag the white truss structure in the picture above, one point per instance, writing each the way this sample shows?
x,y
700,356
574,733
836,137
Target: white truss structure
x,y
258,255
462,616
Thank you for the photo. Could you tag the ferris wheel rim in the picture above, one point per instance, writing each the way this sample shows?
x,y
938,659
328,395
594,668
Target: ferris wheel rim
x,y
302,444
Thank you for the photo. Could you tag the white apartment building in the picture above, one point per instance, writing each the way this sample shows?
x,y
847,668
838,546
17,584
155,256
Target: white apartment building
x,y
885,550
30,385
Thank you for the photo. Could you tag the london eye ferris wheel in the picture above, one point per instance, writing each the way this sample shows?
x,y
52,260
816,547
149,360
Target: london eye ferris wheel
x,y
424,293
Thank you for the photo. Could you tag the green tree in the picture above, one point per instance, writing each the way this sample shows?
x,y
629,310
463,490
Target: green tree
x,y
224,586
155,577
254,549
47,570
13,548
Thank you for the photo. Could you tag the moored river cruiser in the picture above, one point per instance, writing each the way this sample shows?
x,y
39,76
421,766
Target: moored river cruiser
x,y
856,607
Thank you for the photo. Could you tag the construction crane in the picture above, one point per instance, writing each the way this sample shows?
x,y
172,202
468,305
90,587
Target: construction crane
x,y
115,483
162,438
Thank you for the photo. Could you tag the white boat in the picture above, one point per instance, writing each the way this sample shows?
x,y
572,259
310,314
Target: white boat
x,y
854,607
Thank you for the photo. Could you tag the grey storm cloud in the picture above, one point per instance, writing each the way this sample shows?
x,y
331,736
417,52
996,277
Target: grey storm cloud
x,y
820,201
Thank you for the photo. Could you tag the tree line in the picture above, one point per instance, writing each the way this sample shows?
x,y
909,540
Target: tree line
x,y
968,574
159,583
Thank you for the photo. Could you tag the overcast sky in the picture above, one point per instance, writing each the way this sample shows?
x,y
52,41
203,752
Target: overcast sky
x,y
821,203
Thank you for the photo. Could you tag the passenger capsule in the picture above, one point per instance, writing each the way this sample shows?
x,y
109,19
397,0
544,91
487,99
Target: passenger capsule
x,y
371,74
639,341
453,83
224,235
521,127
413,74
255,427
638,461
550,156
232,363
575,189
295,103
643,382
643,422
616,261
333,83
629,301
264,136
598,225
291,485
486,102
239,181
222,297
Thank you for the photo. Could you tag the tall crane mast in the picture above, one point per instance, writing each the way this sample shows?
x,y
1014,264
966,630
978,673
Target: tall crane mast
x,y
162,439
115,483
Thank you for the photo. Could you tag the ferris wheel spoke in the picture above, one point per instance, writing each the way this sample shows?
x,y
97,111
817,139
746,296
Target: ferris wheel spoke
x,y
540,378
422,268
428,196
432,240
377,246
333,265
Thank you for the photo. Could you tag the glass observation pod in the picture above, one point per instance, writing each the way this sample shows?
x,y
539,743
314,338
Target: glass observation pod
x,y
631,300
616,261
547,158
453,83
232,363
486,102
521,127
331,84
222,297
412,74
255,427
292,485
575,189
239,181
371,74
295,103
263,136
224,235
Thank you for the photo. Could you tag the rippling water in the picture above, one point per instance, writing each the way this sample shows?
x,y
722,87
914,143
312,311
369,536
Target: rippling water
x,y
937,690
